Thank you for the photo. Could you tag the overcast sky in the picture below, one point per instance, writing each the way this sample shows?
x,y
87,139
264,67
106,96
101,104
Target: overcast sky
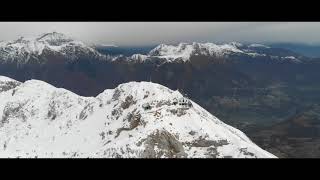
x,y
151,33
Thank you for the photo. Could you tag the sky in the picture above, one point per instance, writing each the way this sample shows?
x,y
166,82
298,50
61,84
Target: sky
x,y
153,33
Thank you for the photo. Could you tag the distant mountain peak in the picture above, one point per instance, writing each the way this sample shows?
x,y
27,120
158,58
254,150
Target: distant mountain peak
x,y
53,34
184,51
22,49
54,38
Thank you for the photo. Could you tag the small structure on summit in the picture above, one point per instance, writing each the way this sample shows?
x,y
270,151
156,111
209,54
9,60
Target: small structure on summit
x,y
179,103
146,106
184,102
175,101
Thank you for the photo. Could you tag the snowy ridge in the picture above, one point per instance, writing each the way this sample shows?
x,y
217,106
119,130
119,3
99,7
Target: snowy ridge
x,y
184,51
136,119
4,79
24,49
258,46
7,83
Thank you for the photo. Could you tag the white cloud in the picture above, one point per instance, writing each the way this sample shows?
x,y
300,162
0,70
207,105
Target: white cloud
x,y
144,33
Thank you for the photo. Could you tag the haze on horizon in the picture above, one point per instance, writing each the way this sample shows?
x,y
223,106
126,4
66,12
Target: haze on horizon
x,y
153,33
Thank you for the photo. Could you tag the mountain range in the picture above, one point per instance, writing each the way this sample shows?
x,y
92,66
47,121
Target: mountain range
x,y
244,85
35,49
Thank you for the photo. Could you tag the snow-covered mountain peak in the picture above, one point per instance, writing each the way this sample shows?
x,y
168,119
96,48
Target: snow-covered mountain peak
x,y
139,57
172,52
23,49
143,90
184,51
54,38
136,119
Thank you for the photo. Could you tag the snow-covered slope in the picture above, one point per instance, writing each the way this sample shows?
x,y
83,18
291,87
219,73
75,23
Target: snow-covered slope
x,y
136,119
184,51
35,48
7,83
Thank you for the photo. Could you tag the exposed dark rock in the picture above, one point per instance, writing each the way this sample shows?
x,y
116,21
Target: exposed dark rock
x,y
116,112
246,152
162,144
134,120
163,102
212,152
102,134
116,94
8,85
128,102
84,113
52,112
13,110
203,142
181,112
